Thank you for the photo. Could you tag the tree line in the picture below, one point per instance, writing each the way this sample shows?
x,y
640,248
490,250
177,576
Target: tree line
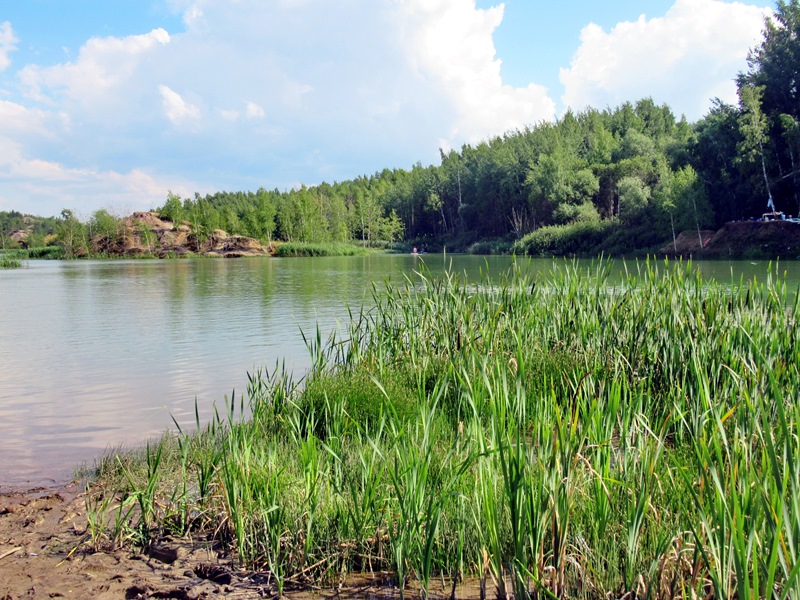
x,y
624,178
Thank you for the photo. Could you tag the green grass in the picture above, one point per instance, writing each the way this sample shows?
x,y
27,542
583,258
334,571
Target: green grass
x,y
309,249
570,435
8,262
45,252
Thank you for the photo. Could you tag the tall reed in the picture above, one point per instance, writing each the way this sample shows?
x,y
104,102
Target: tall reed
x,y
601,430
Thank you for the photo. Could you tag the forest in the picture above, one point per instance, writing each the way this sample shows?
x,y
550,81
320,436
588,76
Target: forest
x,y
619,180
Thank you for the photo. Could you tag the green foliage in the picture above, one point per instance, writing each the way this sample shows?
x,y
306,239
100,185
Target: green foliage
x,y
634,196
47,252
72,235
172,210
495,246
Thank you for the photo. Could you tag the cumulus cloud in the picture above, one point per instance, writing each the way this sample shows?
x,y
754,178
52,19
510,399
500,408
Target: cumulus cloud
x,y
684,58
7,44
450,42
104,69
22,121
176,109
254,93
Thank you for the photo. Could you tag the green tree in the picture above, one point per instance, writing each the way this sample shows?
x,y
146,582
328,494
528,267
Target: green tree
x,y
260,220
560,182
173,209
71,234
770,94
634,197
754,128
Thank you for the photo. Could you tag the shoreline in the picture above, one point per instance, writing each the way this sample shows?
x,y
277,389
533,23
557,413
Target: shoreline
x,y
44,554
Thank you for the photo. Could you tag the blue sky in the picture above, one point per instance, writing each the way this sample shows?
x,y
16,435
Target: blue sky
x,y
110,104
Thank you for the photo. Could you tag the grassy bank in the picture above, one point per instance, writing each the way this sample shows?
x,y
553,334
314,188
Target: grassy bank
x,y
560,436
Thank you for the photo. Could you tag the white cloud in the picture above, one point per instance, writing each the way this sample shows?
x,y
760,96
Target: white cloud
x,y
104,69
7,44
254,111
258,93
683,59
176,109
19,120
43,187
450,42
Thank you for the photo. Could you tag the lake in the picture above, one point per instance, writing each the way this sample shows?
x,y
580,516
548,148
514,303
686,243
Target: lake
x,y
101,354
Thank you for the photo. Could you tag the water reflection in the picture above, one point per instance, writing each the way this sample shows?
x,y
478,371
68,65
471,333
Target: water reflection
x,y
100,354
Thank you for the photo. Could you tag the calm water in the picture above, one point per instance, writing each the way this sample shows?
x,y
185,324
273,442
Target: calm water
x,y
94,355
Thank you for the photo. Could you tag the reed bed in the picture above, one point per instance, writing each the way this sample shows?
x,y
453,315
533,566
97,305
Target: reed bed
x,y
578,435
9,261
286,249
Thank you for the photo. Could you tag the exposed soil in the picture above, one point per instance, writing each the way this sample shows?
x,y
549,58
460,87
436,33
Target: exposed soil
x,y
44,553
738,240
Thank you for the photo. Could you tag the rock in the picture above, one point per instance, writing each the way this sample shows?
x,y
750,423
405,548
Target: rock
x,y
147,233
167,554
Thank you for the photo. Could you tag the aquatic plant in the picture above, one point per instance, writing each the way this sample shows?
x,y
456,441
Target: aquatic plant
x,y
590,432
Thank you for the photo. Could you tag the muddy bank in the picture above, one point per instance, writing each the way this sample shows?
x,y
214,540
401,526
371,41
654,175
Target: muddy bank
x,y
45,552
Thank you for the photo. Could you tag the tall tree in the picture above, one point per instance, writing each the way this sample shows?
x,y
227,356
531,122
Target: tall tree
x,y
754,127
774,68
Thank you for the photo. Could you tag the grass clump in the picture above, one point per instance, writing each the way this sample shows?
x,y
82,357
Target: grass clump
x,y
308,249
360,396
9,262
47,252
582,434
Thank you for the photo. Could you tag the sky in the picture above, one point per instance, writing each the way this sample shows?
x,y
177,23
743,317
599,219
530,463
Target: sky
x,y
114,103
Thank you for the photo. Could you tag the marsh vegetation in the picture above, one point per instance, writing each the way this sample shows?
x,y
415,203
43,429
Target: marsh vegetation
x,y
575,434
